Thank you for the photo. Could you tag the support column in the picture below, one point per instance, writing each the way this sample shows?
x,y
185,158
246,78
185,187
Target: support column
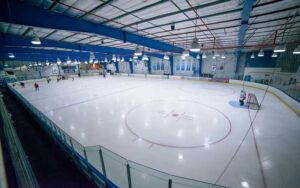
x,y
200,66
131,67
149,66
117,66
171,65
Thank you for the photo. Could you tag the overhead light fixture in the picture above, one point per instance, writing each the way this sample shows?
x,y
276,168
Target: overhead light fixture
x,y
58,61
35,64
195,46
252,56
40,64
122,60
261,53
203,55
185,53
130,59
198,56
274,54
145,57
216,54
47,63
105,60
297,50
223,56
118,58
11,55
96,61
92,56
166,57
36,40
172,26
69,61
30,65
138,51
214,57
86,62
91,61
280,48
114,58
135,57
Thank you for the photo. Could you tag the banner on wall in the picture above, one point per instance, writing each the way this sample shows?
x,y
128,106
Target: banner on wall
x,y
54,70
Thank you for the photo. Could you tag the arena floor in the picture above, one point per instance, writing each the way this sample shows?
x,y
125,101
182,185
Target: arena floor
x,y
186,128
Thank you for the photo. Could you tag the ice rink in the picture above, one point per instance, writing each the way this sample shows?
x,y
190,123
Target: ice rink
x,y
186,128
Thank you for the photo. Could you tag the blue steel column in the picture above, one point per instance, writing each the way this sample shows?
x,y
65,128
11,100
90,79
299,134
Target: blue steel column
x,y
243,28
131,67
171,65
117,66
149,65
200,66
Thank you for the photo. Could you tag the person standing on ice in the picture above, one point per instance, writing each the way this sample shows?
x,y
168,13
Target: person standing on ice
x,y
242,97
104,73
36,86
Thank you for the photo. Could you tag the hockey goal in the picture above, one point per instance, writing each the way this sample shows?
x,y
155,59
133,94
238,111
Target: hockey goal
x,y
252,102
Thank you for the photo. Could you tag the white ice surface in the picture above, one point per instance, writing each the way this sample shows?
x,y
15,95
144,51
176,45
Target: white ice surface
x,y
182,127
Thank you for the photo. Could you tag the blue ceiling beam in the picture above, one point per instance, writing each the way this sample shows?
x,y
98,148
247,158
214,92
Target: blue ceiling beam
x,y
27,53
18,41
19,12
243,28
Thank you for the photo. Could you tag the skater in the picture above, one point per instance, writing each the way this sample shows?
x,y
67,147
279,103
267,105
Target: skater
x,y
79,75
104,73
242,97
22,84
48,80
36,86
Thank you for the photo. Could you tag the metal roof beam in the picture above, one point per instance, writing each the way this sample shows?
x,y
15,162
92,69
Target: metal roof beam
x,y
177,12
21,13
97,8
134,11
243,28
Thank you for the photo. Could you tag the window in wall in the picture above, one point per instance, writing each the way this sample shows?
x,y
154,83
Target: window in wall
x,y
182,66
188,66
193,66
154,66
178,66
158,66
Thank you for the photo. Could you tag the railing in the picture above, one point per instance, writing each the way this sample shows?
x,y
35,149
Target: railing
x,y
108,168
24,173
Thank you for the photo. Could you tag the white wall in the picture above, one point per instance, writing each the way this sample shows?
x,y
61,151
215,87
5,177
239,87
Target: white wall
x,y
124,67
159,66
213,66
260,73
185,67
139,67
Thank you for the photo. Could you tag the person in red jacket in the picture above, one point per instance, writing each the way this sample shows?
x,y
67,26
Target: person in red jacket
x,y
36,86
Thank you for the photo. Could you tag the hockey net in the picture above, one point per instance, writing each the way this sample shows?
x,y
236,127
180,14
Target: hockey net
x,y
252,102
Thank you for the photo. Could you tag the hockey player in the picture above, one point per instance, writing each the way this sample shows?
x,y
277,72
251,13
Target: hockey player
x,y
242,97
36,86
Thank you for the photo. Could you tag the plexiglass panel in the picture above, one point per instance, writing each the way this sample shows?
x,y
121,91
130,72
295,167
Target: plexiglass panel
x,y
115,167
